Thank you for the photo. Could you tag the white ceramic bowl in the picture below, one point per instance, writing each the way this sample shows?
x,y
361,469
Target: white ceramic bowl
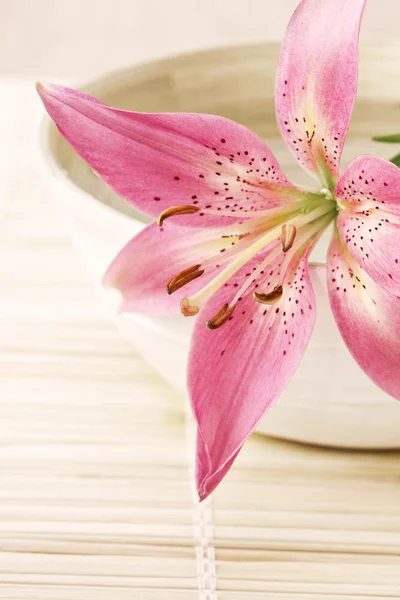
x,y
329,401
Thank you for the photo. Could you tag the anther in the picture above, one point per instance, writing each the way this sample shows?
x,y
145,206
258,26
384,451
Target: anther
x,y
288,236
222,316
270,298
175,211
184,277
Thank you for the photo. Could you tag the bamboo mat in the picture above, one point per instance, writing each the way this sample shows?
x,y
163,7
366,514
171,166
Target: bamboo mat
x,y
96,497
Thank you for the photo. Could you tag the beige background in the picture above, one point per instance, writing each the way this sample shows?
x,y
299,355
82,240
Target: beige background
x,y
95,455
76,38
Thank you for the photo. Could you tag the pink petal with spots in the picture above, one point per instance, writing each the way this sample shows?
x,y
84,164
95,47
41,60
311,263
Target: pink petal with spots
x,y
316,82
238,371
370,220
156,161
151,259
368,318
370,182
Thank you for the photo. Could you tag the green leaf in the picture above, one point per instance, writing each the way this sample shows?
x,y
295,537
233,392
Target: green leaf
x,y
396,160
394,138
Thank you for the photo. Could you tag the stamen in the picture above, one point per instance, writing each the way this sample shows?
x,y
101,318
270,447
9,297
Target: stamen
x,y
305,236
184,277
270,298
291,209
288,236
273,255
175,211
202,296
222,316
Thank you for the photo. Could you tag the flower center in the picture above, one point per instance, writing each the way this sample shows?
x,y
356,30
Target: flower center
x,y
286,232
327,193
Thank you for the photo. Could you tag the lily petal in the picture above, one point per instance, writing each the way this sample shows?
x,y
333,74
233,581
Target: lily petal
x,y
370,182
316,82
156,161
143,268
237,371
205,488
368,318
370,220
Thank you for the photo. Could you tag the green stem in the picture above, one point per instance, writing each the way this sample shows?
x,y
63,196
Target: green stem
x,y
396,160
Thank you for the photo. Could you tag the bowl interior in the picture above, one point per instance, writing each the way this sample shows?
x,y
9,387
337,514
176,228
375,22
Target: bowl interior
x,y
238,83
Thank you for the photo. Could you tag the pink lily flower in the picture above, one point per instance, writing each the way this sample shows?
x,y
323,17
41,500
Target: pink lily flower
x,y
236,245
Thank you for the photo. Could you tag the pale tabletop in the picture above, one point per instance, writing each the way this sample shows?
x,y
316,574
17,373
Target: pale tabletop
x,y
96,455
